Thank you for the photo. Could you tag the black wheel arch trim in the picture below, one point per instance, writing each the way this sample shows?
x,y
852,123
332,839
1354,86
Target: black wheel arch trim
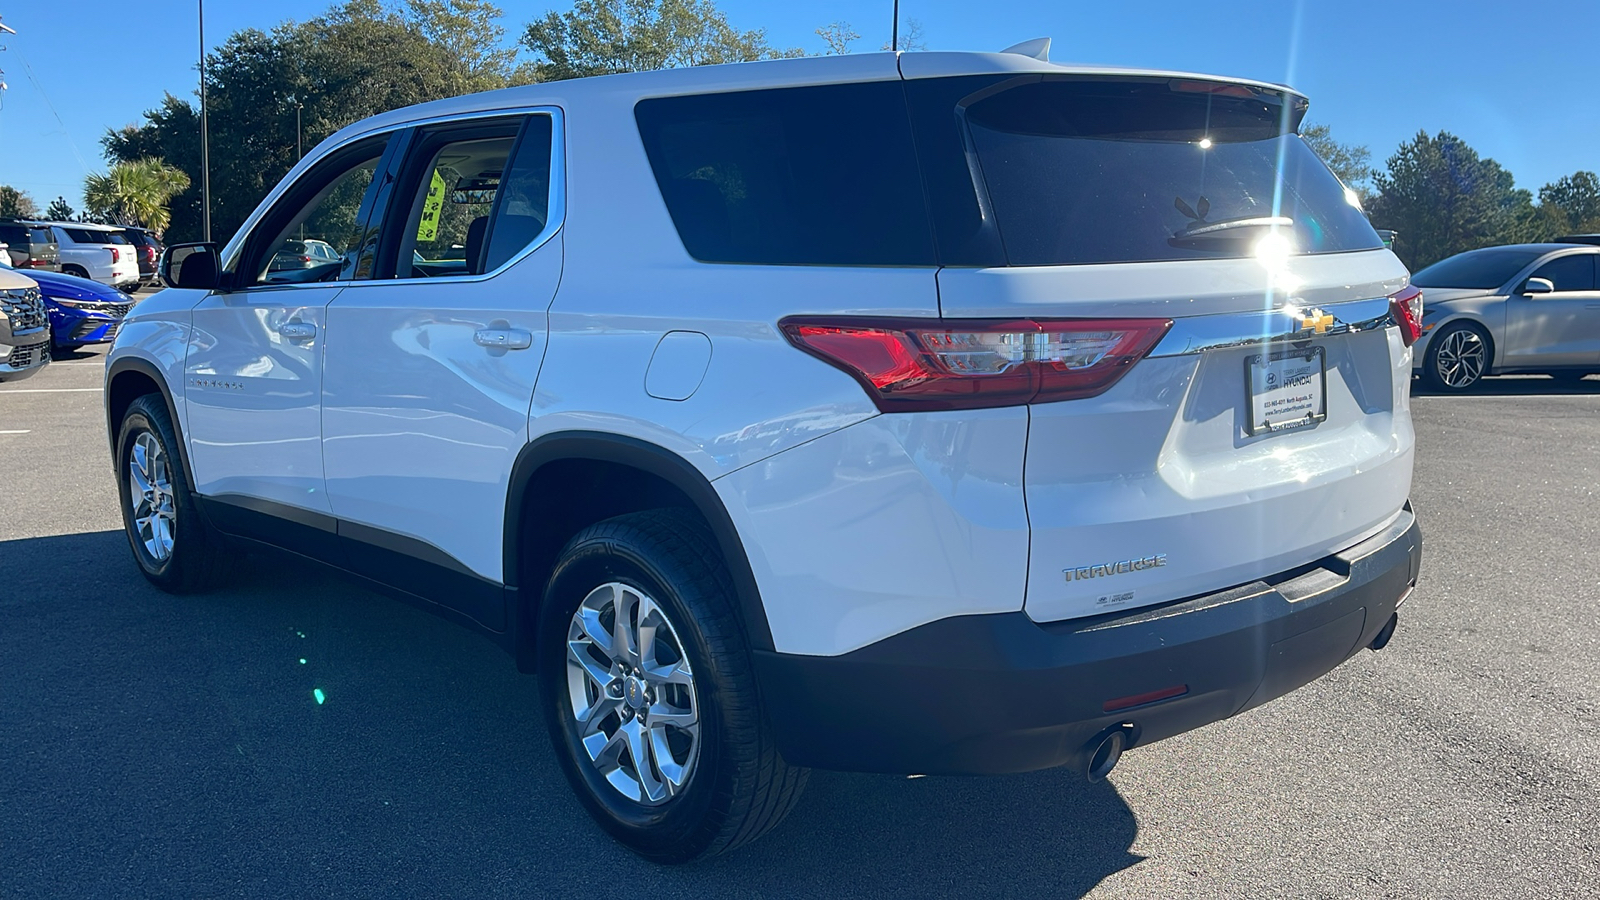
x,y
652,459
148,369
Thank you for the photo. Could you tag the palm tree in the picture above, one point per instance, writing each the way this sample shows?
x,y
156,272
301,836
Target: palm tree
x,y
135,193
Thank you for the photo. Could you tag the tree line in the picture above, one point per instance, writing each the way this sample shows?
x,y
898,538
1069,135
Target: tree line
x,y
274,94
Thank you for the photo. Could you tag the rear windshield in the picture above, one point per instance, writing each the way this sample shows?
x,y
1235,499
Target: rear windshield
x,y
813,175
21,234
1063,170
1482,269
91,236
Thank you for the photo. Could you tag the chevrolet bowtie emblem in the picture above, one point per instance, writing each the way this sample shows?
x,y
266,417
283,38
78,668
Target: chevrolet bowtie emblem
x,y
1316,320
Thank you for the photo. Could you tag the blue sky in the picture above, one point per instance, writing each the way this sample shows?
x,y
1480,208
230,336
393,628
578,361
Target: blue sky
x,y
1515,81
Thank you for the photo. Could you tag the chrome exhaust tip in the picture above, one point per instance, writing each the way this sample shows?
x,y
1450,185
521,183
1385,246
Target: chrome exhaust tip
x,y
1107,751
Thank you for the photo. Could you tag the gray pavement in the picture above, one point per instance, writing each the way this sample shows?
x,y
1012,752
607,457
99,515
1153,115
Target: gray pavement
x,y
161,746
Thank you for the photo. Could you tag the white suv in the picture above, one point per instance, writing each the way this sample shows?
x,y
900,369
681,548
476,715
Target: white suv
x,y
918,413
98,252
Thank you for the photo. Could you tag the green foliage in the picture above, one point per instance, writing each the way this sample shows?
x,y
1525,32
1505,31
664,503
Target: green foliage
x,y
1351,162
601,37
1572,203
60,211
135,193
16,203
1443,199
360,58
838,36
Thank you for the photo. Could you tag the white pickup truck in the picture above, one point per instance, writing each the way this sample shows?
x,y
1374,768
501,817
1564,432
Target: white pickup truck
x,y
99,252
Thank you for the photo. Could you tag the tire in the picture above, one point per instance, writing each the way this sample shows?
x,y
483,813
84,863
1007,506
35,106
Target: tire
x,y
79,271
194,558
735,786
1458,357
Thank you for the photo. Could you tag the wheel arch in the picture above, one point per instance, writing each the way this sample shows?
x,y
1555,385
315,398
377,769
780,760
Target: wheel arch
x,y
128,379
613,474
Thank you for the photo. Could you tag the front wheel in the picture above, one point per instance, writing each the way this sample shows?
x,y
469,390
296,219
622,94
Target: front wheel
x,y
172,544
1457,358
649,694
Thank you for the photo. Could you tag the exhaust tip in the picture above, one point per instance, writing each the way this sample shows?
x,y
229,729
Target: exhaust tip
x,y
1107,751
1381,639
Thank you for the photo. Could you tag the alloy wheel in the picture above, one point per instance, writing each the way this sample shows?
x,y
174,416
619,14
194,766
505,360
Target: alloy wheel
x,y
150,496
633,694
1461,358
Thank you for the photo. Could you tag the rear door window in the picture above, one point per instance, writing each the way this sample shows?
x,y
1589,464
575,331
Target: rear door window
x,y
1064,170
802,176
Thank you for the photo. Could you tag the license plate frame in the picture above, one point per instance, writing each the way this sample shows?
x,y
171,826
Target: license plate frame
x,y
1281,384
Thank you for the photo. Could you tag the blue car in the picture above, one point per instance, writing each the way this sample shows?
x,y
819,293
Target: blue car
x,y
81,311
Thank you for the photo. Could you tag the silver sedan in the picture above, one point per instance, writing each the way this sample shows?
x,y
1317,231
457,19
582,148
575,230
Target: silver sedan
x,y
1514,309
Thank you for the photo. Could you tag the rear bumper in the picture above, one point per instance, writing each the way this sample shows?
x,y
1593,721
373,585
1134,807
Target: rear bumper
x,y
1000,693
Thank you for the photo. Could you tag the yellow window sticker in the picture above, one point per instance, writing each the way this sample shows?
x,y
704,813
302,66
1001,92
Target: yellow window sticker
x,y
428,228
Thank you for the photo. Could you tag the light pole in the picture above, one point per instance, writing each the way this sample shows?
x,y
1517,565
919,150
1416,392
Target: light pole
x,y
894,31
205,146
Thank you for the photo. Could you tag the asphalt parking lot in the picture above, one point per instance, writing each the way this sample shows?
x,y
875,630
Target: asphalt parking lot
x,y
161,746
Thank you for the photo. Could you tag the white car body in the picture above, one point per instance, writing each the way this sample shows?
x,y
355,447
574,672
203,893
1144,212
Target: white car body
x,y
853,534
99,259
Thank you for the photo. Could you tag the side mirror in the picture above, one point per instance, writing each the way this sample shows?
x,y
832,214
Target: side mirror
x,y
1538,286
191,266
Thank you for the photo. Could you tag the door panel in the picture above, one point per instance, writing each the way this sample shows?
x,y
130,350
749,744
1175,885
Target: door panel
x,y
1561,328
253,394
421,423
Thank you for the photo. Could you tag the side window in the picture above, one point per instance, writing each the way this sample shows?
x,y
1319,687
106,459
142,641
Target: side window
x,y
315,231
478,196
805,176
1569,273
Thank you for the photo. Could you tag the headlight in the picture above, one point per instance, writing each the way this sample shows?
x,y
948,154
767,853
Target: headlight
x,y
75,304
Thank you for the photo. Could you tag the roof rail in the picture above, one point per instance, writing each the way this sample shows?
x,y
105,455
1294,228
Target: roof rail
x,y
1038,48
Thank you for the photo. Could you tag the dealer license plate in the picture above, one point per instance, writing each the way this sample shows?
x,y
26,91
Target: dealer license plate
x,y
1287,389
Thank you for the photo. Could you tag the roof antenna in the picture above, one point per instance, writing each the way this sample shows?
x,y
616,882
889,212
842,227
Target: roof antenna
x,y
1038,48
894,30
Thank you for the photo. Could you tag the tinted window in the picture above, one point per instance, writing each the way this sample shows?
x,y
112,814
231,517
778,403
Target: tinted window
x,y
40,236
1082,170
523,205
1569,273
1483,269
815,175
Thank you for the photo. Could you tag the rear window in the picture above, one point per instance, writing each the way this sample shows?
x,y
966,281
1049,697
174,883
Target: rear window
x,y
1482,269
813,175
1062,170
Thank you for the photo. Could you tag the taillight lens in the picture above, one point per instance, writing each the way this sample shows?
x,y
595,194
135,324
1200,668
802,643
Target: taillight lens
x,y
115,256
911,364
1406,307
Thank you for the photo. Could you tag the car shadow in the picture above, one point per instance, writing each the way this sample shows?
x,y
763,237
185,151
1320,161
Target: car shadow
x,y
58,354
297,734
1515,386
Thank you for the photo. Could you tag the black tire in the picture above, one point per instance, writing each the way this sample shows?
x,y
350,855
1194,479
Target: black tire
x,y
740,787
79,271
198,560
1455,374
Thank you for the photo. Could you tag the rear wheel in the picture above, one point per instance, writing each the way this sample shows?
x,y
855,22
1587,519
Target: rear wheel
x,y
75,270
1458,357
174,547
649,695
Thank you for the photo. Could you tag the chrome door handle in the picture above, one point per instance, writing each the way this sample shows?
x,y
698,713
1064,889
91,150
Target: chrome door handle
x,y
298,331
503,338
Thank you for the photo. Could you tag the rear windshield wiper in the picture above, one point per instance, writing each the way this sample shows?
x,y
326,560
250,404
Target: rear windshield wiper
x,y
1200,233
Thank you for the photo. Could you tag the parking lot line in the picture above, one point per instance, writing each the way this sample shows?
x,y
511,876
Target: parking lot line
x,y
21,431
52,390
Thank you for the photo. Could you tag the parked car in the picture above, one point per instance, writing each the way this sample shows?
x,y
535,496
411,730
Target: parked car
x,y
24,327
1579,239
29,246
80,311
303,255
97,252
762,448
147,250
1504,310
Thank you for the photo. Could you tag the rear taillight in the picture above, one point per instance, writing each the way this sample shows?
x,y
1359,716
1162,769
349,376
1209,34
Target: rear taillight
x,y
1406,307
115,256
912,364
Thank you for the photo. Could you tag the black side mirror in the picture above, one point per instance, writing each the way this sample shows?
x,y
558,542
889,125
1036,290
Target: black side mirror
x,y
191,266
